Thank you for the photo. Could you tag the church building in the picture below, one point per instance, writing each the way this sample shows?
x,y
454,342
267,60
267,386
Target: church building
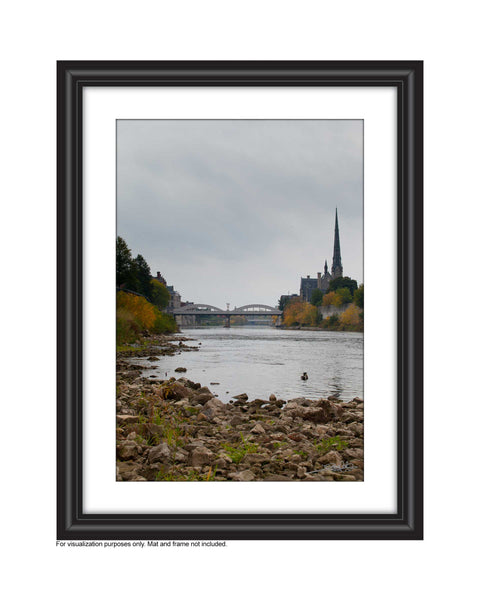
x,y
308,284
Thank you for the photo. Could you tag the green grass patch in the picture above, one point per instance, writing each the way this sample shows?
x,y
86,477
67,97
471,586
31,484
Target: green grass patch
x,y
332,443
237,453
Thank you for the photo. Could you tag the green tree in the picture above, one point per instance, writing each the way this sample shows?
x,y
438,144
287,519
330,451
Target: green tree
x,y
317,297
126,268
358,297
343,282
284,301
160,296
144,276
345,295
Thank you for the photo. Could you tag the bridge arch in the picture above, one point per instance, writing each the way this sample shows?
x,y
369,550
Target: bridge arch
x,y
257,306
205,307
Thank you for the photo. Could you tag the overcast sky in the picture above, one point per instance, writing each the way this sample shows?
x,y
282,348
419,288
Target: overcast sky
x,y
238,210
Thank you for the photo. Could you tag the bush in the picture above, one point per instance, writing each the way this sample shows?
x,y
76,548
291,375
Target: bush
x,y
159,294
333,298
136,315
345,295
351,317
358,296
164,324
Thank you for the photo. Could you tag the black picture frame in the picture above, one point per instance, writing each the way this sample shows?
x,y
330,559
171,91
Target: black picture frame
x,y
407,522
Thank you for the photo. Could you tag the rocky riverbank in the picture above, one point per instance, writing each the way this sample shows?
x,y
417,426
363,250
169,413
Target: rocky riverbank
x,y
177,430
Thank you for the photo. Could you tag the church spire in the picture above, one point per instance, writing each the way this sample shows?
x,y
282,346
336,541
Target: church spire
x,y
337,269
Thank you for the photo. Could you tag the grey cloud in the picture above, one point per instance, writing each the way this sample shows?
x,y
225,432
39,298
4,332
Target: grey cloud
x,y
240,209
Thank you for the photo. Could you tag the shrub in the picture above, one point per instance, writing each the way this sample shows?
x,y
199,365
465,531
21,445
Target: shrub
x,y
358,296
345,295
136,315
351,317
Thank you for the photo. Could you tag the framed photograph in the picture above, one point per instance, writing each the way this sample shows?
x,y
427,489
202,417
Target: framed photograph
x,y
240,300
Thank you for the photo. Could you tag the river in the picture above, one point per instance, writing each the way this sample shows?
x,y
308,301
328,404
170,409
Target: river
x,y
263,360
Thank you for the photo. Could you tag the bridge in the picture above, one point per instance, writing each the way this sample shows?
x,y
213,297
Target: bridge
x,y
248,310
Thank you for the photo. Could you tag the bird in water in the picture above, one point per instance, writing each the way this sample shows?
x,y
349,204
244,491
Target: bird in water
x,y
304,377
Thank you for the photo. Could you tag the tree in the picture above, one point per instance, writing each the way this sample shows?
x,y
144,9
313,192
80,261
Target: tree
x,y
358,296
351,317
144,276
343,282
292,314
283,302
126,268
159,294
329,299
317,297
345,295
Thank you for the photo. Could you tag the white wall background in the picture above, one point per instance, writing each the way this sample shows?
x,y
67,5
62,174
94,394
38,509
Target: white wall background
x,y
34,35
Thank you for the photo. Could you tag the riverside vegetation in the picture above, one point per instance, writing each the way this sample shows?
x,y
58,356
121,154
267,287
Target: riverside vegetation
x,y
342,291
178,430
140,299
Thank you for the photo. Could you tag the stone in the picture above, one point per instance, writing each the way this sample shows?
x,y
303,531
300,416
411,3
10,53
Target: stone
x,y
331,458
215,405
272,398
244,476
127,450
204,390
180,370
201,456
236,420
354,452
160,453
241,397
257,429
301,472
202,398
127,470
122,419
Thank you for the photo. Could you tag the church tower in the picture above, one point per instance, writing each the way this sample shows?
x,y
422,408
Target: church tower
x,y
337,269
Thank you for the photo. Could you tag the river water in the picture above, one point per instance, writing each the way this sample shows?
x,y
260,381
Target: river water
x,y
264,360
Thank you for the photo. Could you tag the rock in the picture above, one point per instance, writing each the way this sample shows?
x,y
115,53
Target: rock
x,y
255,458
243,476
354,452
127,470
331,458
160,453
221,464
152,358
202,398
204,390
257,429
122,419
215,405
179,391
236,420
201,456
241,397
272,398
180,370
301,472
214,383
127,450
